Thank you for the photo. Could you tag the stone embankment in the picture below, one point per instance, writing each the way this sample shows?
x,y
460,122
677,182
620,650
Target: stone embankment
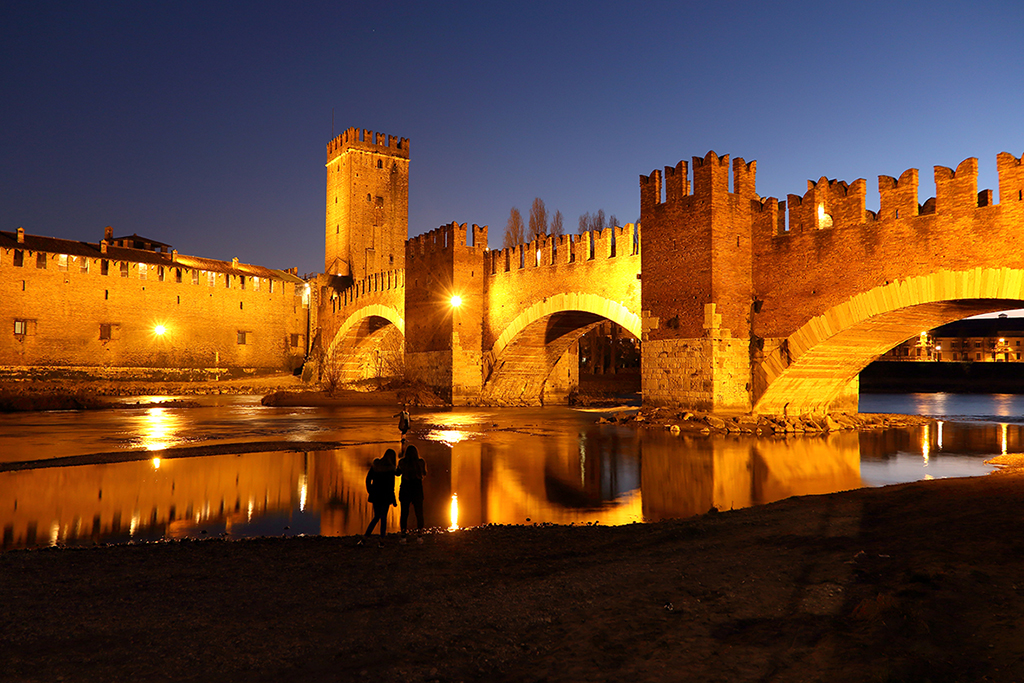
x,y
688,422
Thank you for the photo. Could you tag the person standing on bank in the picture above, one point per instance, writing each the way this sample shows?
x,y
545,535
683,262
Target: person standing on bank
x,y
380,484
403,421
412,469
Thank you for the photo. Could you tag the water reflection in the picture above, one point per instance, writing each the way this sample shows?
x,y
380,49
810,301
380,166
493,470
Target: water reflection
x,y
503,467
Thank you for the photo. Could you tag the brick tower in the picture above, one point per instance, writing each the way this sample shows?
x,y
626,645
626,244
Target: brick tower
x,y
367,216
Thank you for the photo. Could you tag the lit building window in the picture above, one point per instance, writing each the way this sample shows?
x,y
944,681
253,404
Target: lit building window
x,y
241,337
19,258
62,261
41,261
21,327
84,263
143,271
124,269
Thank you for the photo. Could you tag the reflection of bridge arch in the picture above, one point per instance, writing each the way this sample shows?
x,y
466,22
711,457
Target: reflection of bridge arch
x,y
810,369
524,354
361,335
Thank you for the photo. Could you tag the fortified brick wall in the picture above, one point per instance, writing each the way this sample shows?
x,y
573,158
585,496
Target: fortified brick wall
x,y
69,314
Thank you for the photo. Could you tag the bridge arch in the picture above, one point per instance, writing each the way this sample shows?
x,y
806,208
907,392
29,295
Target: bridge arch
x,y
809,371
523,356
356,348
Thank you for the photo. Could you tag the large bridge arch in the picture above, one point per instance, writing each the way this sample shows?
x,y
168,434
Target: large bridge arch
x,y
526,352
356,347
808,371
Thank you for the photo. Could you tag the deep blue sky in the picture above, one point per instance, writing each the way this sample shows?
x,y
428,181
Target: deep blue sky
x,y
204,124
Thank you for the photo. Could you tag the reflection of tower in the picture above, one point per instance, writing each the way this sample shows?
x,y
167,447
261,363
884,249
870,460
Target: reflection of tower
x,y
367,211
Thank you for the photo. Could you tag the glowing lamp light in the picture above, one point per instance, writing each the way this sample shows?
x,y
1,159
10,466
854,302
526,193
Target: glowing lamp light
x,y
156,463
455,513
159,330
455,301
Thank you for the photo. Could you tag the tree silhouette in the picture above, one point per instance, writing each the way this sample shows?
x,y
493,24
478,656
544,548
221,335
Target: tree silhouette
x,y
514,229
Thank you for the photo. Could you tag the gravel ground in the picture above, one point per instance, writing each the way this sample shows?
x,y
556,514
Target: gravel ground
x,y
917,582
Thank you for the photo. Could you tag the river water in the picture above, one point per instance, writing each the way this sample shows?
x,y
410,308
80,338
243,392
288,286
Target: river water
x,y
503,466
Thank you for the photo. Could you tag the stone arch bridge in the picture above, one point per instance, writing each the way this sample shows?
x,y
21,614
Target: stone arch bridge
x,y
746,304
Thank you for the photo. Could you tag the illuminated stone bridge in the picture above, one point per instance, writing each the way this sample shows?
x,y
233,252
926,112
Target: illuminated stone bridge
x,y
746,303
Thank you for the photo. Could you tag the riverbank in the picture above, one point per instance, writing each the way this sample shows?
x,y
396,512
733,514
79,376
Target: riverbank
x,y
913,582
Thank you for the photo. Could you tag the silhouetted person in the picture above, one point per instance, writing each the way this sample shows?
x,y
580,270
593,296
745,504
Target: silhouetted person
x,y
410,492
403,421
380,484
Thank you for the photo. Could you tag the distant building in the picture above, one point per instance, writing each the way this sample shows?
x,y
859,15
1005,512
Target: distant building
x,y
978,340
132,306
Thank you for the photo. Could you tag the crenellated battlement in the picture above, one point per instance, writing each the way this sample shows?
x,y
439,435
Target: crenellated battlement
x,y
371,284
547,250
368,141
445,237
710,176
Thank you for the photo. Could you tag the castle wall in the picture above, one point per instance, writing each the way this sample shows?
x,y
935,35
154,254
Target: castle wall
x,y
367,203
219,315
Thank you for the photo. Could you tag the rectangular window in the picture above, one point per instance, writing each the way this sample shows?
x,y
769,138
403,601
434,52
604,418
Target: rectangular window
x,y
256,288
177,275
41,260
195,276
21,327
241,337
143,271
271,286
62,261
104,267
227,280
241,281
124,269
160,273
295,340
104,331
211,278
84,262
19,258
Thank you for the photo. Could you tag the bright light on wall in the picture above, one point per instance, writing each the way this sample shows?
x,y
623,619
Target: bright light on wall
x,y
159,330
456,301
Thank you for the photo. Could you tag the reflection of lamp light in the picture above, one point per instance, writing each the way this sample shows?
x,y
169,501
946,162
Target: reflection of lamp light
x,y
456,301
156,463
455,513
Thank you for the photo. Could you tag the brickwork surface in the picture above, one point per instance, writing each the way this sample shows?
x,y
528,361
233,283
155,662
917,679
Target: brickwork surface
x,y
58,309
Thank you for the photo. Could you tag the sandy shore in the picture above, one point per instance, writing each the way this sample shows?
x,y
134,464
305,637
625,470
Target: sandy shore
x,y
917,582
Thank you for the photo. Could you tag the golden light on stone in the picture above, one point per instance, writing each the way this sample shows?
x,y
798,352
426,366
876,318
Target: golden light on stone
x,y
159,330
455,301
156,463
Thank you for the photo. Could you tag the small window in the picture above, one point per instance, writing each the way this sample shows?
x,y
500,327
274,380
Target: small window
x,y
84,262
380,201
255,284
271,282
104,331
295,340
211,278
21,327
124,269
177,275
143,271
241,337
104,267
241,281
380,163
227,280
195,276
160,273
62,262
41,260
369,198
19,258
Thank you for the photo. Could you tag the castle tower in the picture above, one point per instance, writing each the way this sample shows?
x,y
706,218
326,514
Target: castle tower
x,y
367,212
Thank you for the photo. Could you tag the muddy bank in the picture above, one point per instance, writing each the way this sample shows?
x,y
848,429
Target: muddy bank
x,y
918,582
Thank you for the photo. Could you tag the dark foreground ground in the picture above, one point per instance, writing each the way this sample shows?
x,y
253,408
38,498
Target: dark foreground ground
x,y
919,582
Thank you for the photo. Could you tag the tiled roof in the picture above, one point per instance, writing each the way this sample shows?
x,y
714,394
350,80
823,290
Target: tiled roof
x,y
56,245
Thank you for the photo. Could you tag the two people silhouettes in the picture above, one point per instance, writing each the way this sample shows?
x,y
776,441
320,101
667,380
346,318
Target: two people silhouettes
x,y
380,485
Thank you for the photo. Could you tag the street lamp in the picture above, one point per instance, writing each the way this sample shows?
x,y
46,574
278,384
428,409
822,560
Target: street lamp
x,y
455,301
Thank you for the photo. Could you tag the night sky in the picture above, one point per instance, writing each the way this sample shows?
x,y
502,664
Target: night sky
x,y
204,125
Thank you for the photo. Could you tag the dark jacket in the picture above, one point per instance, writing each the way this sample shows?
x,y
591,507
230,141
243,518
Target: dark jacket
x,y
380,483
412,472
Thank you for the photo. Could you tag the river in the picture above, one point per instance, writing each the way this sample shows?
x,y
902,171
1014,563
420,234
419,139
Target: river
x,y
501,466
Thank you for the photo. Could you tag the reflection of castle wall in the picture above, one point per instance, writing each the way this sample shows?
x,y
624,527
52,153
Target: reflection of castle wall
x,y
735,472
95,501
